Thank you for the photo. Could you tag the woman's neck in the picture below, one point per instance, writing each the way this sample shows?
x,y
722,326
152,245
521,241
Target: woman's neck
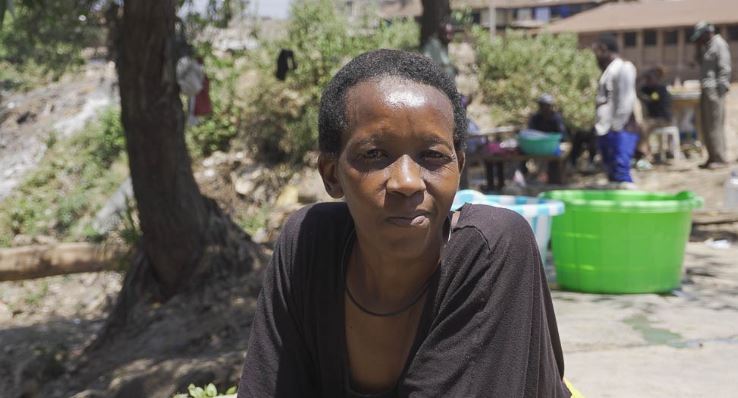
x,y
387,281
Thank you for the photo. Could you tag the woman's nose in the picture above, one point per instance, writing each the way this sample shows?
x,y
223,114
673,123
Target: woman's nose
x,y
406,177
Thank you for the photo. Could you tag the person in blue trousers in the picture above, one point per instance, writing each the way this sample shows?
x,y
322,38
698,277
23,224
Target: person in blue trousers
x,y
614,123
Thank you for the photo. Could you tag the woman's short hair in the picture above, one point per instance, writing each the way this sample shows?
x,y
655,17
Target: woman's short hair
x,y
377,64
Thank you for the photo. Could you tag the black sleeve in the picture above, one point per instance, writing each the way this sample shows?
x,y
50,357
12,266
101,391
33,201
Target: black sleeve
x,y
495,333
278,363
560,123
665,97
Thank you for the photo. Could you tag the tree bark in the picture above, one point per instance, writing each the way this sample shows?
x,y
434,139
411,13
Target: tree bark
x,y
172,212
434,12
40,261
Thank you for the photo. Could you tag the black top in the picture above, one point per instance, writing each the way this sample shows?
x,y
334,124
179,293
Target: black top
x,y
487,329
547,124
658,101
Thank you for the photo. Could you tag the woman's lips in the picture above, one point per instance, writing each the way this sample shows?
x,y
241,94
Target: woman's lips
x,y
410,221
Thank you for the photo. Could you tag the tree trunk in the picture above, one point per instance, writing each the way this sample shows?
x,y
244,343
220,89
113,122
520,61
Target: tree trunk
x,y
434,12
187,242
40,261
172,211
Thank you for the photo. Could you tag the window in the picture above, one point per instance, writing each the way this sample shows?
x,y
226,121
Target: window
x,y
556,12
629,39
524,14
542,14
671,37
476,17
688,34
733,32
649,38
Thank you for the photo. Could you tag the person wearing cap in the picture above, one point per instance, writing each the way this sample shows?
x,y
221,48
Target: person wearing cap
x,y
713,56
547,119
614,120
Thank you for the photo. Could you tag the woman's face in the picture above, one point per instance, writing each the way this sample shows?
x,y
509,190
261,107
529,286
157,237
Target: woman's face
x,y
398,169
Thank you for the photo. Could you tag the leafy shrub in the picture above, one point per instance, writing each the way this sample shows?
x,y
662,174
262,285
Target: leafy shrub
x,y
210,391
214,132
283,116
515,69
71,182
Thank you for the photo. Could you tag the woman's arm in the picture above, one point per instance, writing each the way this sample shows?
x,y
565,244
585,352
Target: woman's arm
x,y
278,363
495,334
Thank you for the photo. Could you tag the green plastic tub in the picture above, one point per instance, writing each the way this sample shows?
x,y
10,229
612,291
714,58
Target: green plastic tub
x,y
621,241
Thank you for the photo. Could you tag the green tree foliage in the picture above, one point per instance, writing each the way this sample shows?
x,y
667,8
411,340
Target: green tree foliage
x,y
515,69
215,132
48,33
283,118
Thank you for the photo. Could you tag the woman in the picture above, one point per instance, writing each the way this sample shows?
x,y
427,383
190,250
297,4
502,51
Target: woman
x,y
389,294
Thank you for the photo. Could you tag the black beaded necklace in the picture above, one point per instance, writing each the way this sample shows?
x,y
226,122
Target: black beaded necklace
x,y
420,293
412,303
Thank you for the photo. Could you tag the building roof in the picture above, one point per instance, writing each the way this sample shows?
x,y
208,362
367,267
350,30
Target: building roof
x,y
541,3
648,14
400,8
414,8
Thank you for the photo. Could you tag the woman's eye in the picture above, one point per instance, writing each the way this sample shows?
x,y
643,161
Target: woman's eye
x,y
434,155
373,154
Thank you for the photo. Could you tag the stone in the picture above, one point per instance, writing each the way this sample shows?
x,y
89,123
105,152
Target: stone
x,y
288,197
311,188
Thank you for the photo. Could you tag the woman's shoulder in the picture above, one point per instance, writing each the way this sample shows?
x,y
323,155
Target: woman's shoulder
x,y
317,218
311,241
495,224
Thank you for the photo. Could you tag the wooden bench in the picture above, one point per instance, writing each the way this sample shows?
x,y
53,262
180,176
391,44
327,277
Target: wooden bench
x,y
494,166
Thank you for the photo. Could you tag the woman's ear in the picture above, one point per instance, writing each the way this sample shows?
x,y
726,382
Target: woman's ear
x,y
328,167
461,160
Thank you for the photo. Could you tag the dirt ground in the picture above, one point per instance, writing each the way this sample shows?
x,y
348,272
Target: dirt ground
x,y
678,345
28,119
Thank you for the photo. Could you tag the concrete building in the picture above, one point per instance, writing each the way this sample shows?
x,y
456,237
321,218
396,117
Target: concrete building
x,y
500,14
656,32
530,14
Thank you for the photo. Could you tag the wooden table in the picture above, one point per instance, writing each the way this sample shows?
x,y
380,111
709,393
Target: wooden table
x,y
685,104
494,166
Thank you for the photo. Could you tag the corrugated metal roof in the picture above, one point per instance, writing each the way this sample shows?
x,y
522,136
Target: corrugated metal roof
x,y
651,14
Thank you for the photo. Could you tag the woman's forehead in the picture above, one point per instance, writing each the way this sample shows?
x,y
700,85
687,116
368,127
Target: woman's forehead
x,y
398,105
394,92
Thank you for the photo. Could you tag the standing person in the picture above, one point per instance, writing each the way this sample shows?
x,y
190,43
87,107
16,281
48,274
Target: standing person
x,y
714,58
614,122
203,106
436,48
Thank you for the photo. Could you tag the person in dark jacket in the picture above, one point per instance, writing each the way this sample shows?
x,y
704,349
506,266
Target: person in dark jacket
x,y
656,101
547,119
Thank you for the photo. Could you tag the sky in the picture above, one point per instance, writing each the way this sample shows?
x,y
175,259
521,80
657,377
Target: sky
x,y
273,8
268,8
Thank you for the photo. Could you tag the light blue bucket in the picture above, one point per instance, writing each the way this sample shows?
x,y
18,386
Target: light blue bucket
x,y
537,211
